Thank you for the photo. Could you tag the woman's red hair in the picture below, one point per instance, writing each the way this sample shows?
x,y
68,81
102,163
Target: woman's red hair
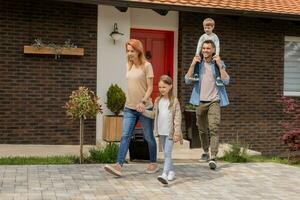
x,y
137,46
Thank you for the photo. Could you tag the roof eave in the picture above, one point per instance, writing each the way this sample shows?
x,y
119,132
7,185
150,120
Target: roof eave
x,y
134,4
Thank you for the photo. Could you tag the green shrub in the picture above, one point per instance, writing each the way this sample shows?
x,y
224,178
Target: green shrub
x,y
236,154
83,104
116,99
108,154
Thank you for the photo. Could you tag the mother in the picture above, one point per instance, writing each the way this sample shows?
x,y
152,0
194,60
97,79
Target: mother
x,y
140,85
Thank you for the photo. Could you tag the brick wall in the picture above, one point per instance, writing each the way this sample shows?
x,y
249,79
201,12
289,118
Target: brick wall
x,y
33,88
253,50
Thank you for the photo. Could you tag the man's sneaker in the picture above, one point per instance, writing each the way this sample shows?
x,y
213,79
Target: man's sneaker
x,y
114,169
171,176
163,179
152,168
204,157
212,164
219,82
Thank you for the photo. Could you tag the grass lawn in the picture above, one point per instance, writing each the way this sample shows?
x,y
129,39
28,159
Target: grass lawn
x,y
272,159
64,160
237,153
107,154
248,158
52,160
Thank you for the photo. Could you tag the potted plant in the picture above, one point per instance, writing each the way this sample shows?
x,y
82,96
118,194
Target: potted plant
x,y
192,133
112,124
83,104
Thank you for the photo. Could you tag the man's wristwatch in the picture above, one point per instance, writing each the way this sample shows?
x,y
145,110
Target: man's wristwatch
x,y
143,102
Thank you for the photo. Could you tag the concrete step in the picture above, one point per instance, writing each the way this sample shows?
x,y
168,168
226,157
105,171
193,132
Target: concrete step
x,y
179,151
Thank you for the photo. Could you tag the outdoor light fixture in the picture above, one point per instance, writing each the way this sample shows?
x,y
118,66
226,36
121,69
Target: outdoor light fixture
x,y
115,34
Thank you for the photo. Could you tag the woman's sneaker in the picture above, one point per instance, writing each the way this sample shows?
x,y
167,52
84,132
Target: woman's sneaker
x,y
163,179
212,164
171,176
114,169
152,168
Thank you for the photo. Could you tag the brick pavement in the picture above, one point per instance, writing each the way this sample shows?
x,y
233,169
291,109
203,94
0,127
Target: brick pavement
x,y
194,181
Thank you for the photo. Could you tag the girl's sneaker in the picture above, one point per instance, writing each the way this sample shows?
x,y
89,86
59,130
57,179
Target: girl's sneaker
x,y
163,179
171,176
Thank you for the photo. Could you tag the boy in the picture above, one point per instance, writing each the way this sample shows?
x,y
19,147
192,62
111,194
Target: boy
x,y
208,26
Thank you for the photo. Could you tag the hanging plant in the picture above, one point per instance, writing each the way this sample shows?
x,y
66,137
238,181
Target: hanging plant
x,y
55,48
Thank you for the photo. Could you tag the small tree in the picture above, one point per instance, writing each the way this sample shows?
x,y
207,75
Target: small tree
x,y
116,99
83,104
291,135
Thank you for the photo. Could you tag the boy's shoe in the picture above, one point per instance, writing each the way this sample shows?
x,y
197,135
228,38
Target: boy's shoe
x,y
163,179
212,164
114,169
219,82
204,157
152,168
171,176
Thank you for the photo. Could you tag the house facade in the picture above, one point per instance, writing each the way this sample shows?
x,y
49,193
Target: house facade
x,y
255,45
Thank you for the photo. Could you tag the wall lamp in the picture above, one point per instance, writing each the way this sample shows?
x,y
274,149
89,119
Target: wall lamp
x,y
115,34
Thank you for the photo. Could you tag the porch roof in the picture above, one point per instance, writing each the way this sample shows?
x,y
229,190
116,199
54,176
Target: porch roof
x,y
277,9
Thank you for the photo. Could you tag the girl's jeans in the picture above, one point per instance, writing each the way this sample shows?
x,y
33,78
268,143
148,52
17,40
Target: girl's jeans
x,y
167,146
130,119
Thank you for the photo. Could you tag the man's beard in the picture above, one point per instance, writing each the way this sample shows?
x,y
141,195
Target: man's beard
x,y
207,55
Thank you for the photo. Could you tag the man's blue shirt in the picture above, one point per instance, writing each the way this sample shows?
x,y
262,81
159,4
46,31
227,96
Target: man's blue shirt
x,y
195,97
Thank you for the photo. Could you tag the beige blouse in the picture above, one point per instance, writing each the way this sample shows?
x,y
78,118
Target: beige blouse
x,y
137,85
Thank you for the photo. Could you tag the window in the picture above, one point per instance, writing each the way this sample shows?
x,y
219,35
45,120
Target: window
x,y
292,66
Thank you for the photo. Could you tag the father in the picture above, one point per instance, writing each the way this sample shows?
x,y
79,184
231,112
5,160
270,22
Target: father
x,y
208,97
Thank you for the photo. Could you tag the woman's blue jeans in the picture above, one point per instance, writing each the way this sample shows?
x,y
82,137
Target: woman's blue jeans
x,y
130,119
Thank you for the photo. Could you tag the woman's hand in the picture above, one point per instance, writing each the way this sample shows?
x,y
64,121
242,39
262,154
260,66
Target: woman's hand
x,y
140,107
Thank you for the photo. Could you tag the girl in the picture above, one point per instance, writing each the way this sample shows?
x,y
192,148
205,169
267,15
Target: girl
x,y
167,124
140,85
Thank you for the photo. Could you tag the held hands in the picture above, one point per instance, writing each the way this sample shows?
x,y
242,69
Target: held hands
x,y
176,137
140,107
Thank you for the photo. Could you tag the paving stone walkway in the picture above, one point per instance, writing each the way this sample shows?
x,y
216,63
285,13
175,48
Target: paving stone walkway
x,y
251,181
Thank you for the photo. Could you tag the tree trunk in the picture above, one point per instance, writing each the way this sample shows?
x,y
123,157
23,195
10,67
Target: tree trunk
x,y
289,157
81,139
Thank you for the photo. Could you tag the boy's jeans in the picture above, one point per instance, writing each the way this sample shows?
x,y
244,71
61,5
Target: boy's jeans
x,y
130,119
208,121
167,146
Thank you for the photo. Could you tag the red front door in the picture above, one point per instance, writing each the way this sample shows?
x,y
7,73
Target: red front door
x,y
158,48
